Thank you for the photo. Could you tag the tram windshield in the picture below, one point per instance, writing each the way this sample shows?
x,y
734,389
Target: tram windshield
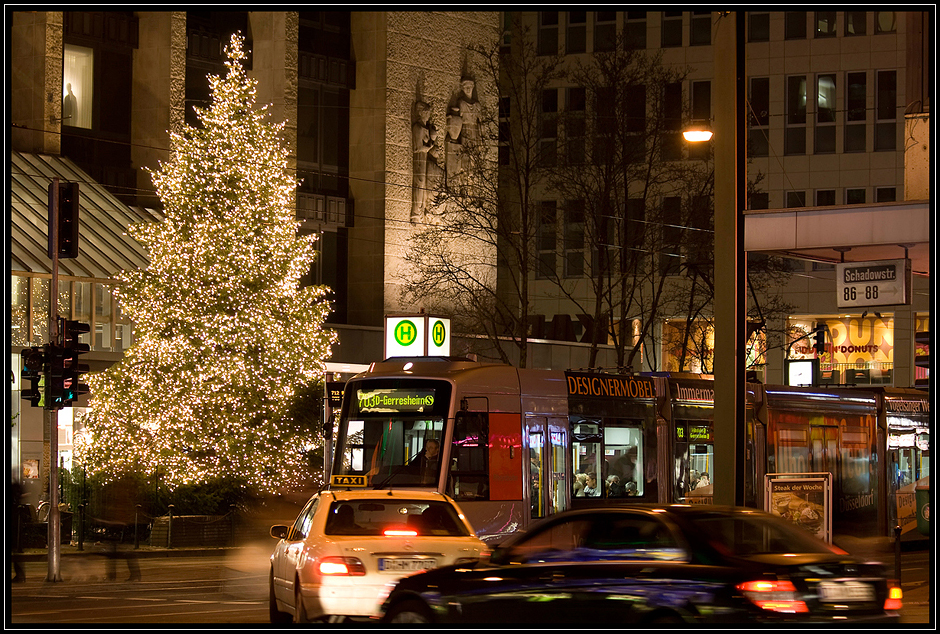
x,y
392,432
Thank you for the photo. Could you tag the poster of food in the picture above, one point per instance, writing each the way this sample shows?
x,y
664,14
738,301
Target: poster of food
x,y
805,501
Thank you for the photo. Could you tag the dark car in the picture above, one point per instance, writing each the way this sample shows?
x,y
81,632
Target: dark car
x,y
653,564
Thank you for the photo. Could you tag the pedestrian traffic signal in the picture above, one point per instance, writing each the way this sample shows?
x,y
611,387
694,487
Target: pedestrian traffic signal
x,y
33,361
67,229
72,384
819,343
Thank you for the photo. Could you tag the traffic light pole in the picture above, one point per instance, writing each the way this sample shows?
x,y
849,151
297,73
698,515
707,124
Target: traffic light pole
x,y
50,413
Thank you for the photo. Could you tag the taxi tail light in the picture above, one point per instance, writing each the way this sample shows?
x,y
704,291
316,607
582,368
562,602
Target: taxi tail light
x,y
775,596
893,602
341,567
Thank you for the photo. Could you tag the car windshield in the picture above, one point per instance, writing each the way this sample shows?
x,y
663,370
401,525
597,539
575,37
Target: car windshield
x,y
376,517
751,534
392,432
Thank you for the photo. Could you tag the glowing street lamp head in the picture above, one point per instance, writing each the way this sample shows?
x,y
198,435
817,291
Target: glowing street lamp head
x,y
697,134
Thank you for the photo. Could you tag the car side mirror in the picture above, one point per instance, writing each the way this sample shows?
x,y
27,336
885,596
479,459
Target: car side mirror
x,y
279,531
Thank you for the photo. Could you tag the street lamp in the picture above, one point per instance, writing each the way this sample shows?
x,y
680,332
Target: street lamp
x,y
697,133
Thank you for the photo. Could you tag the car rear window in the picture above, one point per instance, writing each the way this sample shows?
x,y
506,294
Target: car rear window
x,y
754,535
394,517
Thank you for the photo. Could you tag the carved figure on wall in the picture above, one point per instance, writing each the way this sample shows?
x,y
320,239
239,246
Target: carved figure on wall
x,y
425,168
463,130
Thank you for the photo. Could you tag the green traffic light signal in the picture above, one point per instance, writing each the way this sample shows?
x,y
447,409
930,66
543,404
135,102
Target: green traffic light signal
x,y
73,369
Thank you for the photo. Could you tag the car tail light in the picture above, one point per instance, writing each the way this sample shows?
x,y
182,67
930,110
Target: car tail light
x,y
341,567
776,596
398,532
893,602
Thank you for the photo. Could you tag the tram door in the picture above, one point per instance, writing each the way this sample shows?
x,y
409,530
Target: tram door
x,y
547,469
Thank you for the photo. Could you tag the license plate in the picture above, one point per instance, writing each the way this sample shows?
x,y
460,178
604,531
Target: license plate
x,y
832,591
387,564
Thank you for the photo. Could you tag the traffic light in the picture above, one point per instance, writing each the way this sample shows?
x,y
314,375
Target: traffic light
x,y
33,361
67,245
72,385
55,378
819,343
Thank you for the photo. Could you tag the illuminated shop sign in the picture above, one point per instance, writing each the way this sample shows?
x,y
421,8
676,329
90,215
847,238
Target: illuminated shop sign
x,y
603,386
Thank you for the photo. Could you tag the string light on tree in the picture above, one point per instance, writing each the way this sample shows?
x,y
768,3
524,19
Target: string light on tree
x,y
225,334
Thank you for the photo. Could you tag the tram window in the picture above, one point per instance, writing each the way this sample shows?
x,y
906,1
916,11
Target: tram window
x,y
623,451
587,458
469,471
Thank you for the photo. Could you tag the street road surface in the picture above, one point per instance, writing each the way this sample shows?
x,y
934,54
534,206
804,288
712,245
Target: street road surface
x,y
232,587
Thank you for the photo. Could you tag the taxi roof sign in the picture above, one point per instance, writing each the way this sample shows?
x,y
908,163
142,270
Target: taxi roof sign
x,y
348,480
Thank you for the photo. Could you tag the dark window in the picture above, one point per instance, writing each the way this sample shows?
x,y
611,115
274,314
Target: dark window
x,y
548,143
672,29
885,195
701,114
795,25
886,111
574,238
795,140
758,29
825,197
855,196
672,122
855,23
759,116
548,33
672,235
700,28
856,112
796,199
575,125
634,30
546,238
576,36
605,31
759,200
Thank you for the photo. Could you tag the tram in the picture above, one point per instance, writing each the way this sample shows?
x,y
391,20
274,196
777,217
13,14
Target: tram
x,y
516,445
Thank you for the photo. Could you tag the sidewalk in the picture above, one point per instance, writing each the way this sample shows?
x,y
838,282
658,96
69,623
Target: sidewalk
x,y
103,549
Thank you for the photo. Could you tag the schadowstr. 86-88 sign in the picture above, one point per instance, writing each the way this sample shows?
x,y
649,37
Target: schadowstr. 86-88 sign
x,y
869,284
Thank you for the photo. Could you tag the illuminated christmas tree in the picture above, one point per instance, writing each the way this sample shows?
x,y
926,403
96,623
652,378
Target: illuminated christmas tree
x,y
226,336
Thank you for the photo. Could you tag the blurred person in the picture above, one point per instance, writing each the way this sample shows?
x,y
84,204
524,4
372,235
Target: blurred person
x,y
580,480
591,489
614,488
117,518
428,461
16,522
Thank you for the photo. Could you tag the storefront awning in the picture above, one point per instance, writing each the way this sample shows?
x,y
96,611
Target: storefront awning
x,y
104,246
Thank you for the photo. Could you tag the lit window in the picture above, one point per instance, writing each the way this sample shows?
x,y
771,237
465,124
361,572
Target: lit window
x,y
77,84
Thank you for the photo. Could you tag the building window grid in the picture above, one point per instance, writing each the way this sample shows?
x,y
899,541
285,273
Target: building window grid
x,y
634,30
795,133
548,33
671,29
886,110
605,31
576,32
700,28
825,24
90,302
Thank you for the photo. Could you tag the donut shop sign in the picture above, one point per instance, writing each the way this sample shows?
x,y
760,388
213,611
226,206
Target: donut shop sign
x,y
869,284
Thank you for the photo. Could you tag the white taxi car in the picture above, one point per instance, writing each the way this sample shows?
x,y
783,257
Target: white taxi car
x,y
346,549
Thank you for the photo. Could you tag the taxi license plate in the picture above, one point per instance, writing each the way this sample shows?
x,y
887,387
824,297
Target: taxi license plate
x,y
387,564
830,591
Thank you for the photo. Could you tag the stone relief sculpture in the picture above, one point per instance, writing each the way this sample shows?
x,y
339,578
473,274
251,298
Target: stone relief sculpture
x,y
463,131
462,134
425,167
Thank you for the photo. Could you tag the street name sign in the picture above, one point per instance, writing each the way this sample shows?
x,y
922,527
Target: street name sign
x,y
871,284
